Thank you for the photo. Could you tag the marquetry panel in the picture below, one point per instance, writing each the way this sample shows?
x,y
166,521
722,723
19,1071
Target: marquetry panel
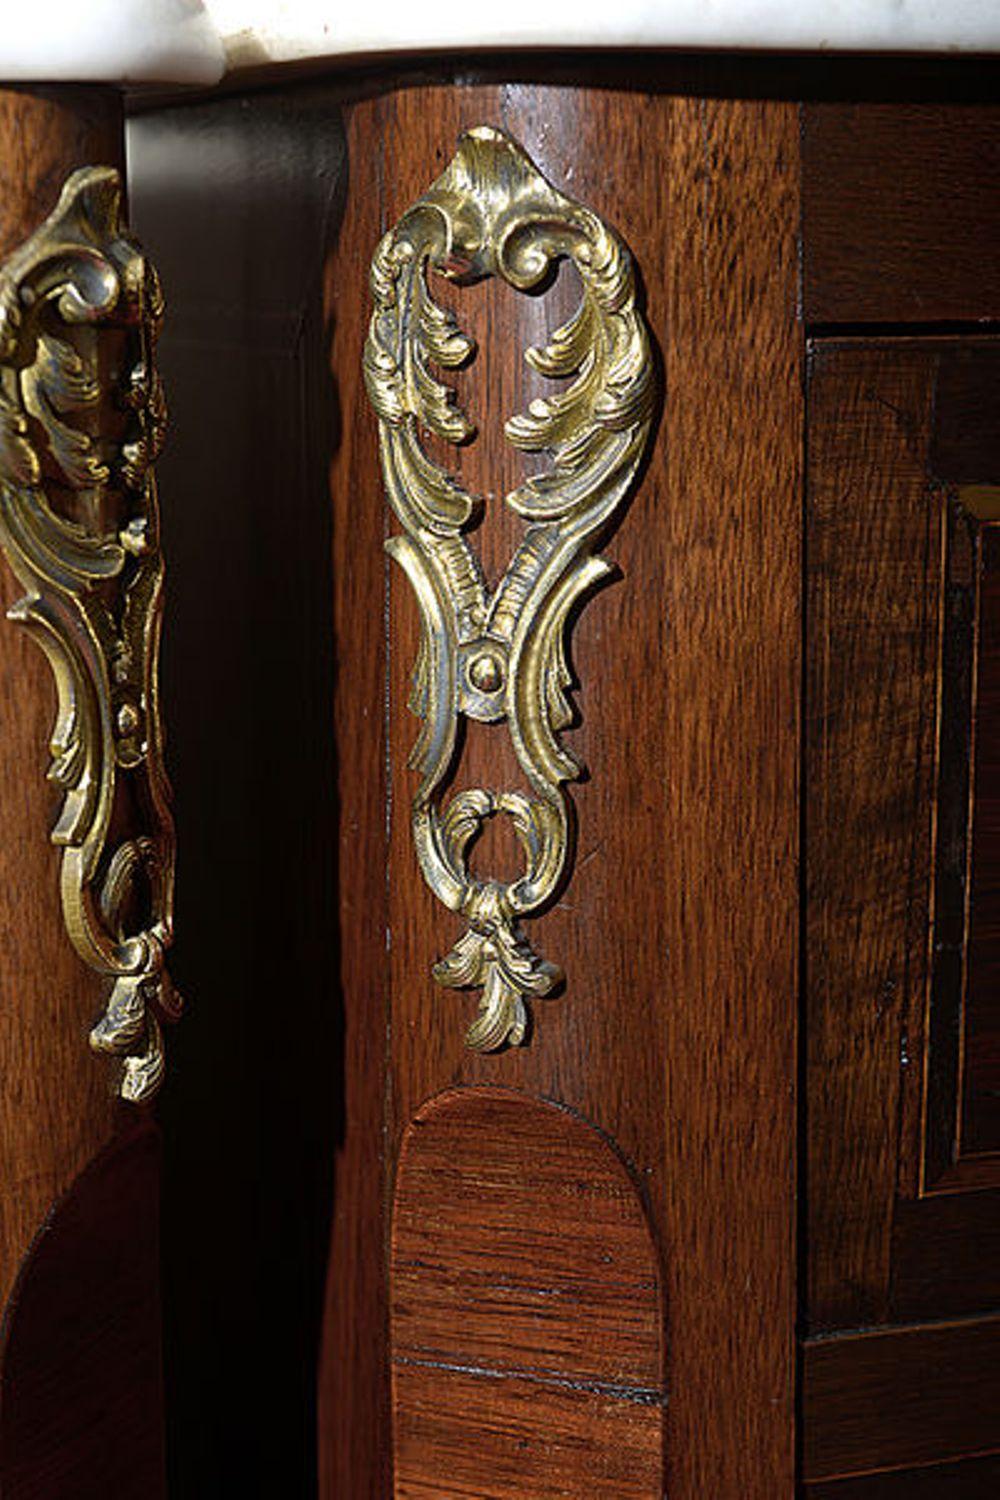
x,y
963,1074
981,1093
902,777
874,528
526,1318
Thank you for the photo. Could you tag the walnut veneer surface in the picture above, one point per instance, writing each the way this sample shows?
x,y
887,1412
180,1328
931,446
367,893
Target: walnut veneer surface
x,y
815,247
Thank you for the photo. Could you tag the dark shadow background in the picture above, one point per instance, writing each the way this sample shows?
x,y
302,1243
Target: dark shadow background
x,y
239,201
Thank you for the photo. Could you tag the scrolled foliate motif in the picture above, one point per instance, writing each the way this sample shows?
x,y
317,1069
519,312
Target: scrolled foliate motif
x,y
500,656
82,419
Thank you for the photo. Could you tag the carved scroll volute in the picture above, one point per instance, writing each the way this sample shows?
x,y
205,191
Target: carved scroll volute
x,y
82,419
500,656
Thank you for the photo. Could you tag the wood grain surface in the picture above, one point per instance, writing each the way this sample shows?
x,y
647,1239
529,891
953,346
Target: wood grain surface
x,y
959,677
82,1388
354,1447
981,1079
901,211
971,1479
900,1397
885,1048
525,1308
946,1252
962,1129
902,1226
81,1408
57,1103
676,1030
874,550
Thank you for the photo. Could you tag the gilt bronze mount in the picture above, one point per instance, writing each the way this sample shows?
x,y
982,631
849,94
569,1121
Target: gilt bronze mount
x,y
82,419
500,656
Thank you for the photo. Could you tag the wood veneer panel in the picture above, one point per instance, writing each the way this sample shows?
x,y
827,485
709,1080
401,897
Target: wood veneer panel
x,y
515,1438
901,212
677,931
57,1105
966,442
80,1378
731,534
946,1255
874,540
962,1123
951,905
896,431
80,1397
981,1091
48,132
525,1309
355,1452
902,1397
973,1479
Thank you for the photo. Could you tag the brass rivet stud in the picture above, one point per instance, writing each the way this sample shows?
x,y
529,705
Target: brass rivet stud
x,y
486,672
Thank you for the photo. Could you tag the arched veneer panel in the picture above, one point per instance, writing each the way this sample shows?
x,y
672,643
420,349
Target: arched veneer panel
x,y
81,1398
526,1324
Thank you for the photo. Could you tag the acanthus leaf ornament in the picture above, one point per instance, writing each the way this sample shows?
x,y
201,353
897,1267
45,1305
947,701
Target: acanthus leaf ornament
x,y
500,656
82,420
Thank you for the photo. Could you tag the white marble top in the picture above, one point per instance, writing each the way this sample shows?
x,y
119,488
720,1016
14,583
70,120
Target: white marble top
x,y
284,30
195,41
108,41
